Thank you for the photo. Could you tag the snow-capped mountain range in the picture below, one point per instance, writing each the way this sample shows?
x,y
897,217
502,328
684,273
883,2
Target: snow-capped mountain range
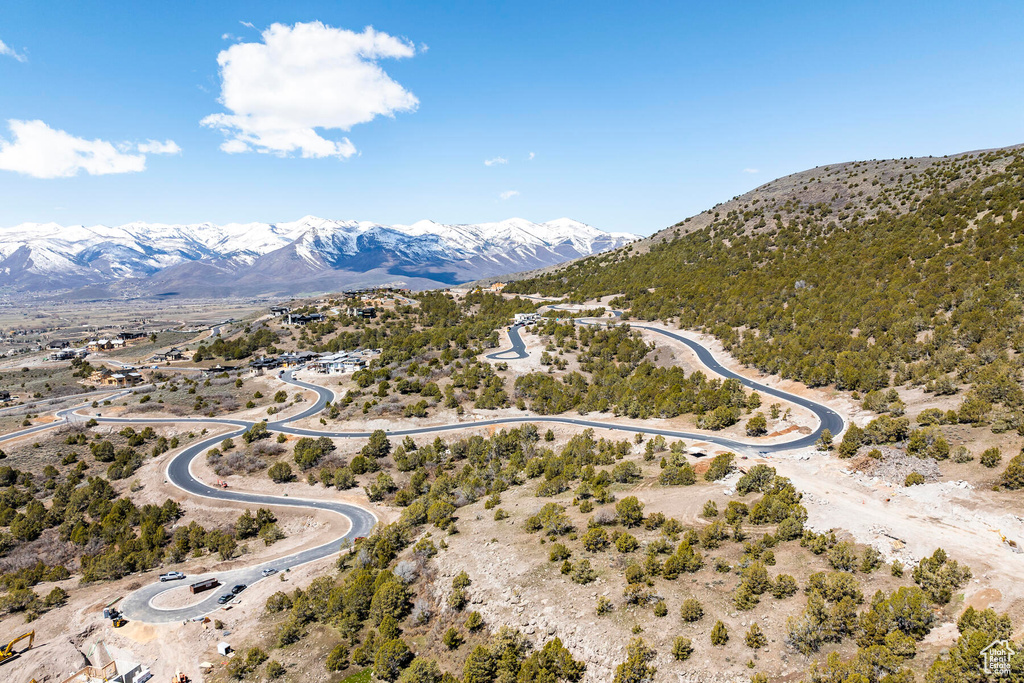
x,y
306,256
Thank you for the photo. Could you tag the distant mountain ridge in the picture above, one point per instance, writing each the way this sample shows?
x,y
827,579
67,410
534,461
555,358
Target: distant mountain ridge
x,y
305,256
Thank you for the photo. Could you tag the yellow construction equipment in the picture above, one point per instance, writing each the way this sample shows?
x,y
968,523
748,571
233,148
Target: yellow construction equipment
x,y
118,622
7,652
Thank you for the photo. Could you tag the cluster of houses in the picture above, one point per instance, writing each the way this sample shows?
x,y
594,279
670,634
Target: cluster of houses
x,y
324,363
63,349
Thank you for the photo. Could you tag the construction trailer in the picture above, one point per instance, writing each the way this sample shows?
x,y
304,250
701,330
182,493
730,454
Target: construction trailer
x,y
205,585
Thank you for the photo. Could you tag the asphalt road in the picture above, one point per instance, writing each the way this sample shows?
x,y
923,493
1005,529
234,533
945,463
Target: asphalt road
x,y
137,605
518,349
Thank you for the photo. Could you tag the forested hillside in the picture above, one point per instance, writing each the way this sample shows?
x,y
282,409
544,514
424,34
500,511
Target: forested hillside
x,y
864,275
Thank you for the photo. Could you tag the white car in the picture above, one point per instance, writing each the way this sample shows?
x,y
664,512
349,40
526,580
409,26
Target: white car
x,y
172,576
269,572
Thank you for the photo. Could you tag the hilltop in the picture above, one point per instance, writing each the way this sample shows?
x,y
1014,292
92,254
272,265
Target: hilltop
x,y
861,275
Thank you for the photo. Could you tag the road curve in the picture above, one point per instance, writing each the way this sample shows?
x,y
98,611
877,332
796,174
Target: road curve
x,y
827,418
518,347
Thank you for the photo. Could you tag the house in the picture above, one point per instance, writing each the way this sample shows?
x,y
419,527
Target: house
x,y
301,319
110,378
291,360
339,363
218,369
118,343
63,354
58,344
525,318
99,345
174,354
130,336
498,286
260,365
363,312
279,310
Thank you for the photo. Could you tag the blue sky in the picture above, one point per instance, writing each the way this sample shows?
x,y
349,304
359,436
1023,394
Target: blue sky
x,y
637,114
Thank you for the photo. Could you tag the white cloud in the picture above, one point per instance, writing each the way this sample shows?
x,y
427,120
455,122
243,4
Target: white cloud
x,y
302,78
39,151
247,24
157,147
234,146
496,161
7,50
751,170
530,158
509,194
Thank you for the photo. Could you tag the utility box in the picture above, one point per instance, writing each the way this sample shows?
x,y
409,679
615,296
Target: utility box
x,y
200,586
223,648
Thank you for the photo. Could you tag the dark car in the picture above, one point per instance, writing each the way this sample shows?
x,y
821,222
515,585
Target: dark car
x,y
238,589
225,598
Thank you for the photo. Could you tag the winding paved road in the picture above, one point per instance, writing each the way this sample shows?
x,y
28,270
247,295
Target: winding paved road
x,y
138,605
518,347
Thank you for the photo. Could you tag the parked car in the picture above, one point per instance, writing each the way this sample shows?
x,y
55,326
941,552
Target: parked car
x,y
172,576
270,571
225,598
238,589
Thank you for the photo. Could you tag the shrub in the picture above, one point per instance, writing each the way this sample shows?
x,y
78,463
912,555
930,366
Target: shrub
x,y
719,634
721,466
595,540
604,605
474,622
757,479
1013,476
274,669
991,457
784,586
755,638
691,610
582,572
451,639
278,602
280,472
558,553
551,519
682,649
710,510
757,425
337,660
677,475
637,665
842,557
392,657
660,608
939,576
626,543
914,479
630,511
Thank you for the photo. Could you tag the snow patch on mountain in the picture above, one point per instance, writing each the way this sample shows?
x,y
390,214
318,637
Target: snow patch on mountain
x,y
45,256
